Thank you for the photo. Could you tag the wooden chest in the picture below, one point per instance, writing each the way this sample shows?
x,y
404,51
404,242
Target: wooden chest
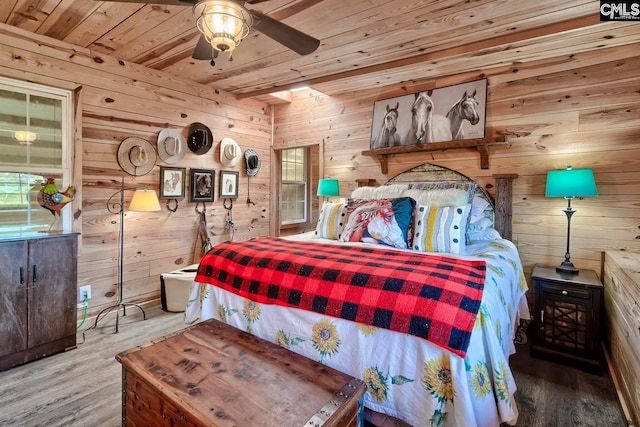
x,y
212,374
622,313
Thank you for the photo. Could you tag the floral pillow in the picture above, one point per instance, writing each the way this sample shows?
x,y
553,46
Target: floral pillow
x,y
331,221
440,229
381,221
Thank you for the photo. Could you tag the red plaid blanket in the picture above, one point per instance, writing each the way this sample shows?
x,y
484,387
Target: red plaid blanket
x,y
430,296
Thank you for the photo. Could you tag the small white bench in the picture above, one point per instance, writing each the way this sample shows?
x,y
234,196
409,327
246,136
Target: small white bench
x,y
175,287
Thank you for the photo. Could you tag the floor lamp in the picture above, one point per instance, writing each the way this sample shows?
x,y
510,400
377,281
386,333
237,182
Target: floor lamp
x,y
570,183
143,201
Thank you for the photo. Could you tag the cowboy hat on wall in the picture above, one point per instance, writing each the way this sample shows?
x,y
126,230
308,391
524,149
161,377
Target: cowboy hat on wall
x,y
252,162
136,156
230,152
171,146
200,138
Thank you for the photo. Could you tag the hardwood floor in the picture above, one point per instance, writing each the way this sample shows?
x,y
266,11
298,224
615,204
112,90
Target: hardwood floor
x,y
83,387
554,394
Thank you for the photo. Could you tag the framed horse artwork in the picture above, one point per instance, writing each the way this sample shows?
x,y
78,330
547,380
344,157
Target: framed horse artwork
x,y
450,113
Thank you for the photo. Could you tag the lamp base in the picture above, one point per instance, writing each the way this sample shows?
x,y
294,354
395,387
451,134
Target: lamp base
x,y
567,268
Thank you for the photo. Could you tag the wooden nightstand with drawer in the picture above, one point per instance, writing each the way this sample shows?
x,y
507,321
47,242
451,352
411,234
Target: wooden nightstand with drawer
x,y
568,315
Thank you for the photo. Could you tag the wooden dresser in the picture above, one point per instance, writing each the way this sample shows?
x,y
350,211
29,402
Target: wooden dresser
x,y
38,288
622,326
212,374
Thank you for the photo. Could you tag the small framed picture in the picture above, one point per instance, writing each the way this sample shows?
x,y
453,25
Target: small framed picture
x,y
172,182
229,184
201,185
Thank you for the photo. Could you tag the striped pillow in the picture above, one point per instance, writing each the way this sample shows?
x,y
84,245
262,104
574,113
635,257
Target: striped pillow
x,y
331,221
440,229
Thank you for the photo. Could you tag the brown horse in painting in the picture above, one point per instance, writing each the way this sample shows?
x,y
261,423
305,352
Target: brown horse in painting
x,y
465,109
425,125
388,134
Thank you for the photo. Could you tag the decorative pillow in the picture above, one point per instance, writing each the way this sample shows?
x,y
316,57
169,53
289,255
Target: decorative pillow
x,y
480,225
391,191
440,229
468,186
331,221
363,193
381,221
438,198
478,206
487,234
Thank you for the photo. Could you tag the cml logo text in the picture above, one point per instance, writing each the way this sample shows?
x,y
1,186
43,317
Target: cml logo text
x,y
619,11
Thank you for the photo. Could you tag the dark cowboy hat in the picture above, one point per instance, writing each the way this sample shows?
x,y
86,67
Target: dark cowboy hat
x,y
253,161
200,138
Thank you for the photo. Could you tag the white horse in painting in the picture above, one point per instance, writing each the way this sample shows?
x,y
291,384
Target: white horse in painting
x,y
388,134
425,125
465,109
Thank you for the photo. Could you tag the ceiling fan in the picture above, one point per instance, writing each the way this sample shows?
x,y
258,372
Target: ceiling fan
x,y
224,23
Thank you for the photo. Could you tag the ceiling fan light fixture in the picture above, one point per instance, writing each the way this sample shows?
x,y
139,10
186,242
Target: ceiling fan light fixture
x,y
224,23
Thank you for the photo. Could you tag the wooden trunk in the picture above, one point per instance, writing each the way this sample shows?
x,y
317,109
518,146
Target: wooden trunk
x,y
212,374
622,294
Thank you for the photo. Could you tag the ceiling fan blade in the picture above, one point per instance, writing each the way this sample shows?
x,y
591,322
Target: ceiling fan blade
x,y
203,49
295,40
164,2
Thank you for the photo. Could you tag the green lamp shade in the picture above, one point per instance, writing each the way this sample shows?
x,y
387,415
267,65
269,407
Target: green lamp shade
x,y
571,183
328,188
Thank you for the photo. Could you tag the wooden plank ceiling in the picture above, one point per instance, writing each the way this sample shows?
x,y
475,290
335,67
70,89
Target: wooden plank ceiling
x,y
364,43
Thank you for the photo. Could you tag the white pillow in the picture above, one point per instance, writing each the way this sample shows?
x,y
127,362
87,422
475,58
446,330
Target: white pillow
x,y
482,224
440,229
332,220
439,198
478,207
363,193
488,234
392,191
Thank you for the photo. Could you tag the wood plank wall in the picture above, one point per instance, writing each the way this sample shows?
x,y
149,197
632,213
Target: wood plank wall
x,y
583,112
119,100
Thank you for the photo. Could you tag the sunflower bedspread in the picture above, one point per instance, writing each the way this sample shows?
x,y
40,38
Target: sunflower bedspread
x,y
407,376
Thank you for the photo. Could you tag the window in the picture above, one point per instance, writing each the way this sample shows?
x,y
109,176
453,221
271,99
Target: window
x,y
294,194
36,142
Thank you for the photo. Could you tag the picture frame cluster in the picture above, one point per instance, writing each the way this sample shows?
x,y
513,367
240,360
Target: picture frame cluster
x,y
201,184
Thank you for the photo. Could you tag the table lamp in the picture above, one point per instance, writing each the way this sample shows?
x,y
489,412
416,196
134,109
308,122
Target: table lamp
x,y
570,183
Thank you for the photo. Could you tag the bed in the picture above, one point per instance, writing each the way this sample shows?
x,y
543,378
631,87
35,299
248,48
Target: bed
x,y
428,327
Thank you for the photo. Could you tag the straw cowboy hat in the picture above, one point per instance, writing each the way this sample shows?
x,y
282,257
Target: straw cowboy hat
x,y
230,152
136,156
200,138
252,161
171,146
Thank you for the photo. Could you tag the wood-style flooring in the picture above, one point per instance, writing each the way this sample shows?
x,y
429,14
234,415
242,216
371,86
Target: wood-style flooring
x,y
83,387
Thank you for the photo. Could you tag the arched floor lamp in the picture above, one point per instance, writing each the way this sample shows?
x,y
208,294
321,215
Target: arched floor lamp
x,y
570,183
143,200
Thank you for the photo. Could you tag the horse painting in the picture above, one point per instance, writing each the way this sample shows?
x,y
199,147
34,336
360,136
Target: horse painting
x,y
465,109
388,135
425,125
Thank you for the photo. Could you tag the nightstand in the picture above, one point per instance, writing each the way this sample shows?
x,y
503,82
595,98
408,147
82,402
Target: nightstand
x,y
568,315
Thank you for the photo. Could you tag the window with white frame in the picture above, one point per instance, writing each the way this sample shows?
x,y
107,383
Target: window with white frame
x,y
36,143
294,187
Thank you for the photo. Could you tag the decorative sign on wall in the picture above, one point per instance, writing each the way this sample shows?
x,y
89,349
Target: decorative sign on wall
x,y
445,114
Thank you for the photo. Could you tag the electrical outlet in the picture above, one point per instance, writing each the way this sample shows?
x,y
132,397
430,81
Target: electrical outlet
x,y
84,295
